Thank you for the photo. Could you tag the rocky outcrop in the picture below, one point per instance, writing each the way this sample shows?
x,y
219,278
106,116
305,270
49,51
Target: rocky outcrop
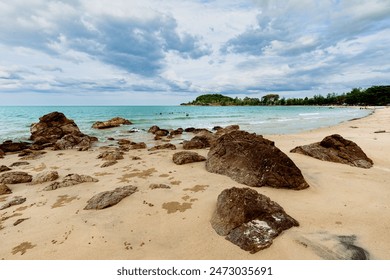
x,y
15,177
70,180
253,160
248,219
167,146
227,129
335,148
45,176
109,198
4,168
4,189
56,130
114,122
187,157
16,201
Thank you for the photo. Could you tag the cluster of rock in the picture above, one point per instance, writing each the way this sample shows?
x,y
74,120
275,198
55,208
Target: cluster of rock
x,y
70,180
248,219
335,148
56,130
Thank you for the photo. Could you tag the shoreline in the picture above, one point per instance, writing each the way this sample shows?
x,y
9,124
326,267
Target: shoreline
x,y
175,223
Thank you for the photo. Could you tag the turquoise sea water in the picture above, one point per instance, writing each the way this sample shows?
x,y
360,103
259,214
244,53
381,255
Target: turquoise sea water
x,y
15,121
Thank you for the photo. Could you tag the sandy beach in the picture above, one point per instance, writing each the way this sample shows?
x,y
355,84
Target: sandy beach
x,y
174,223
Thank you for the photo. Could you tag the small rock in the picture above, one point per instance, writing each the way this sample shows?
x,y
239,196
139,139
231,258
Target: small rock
x,y
9,146
4,189
167,146
4,168
70,180
109,163
187,157
16,201
15,177
19,163
153,129
109,198
18,221
158,186
43,177
111,155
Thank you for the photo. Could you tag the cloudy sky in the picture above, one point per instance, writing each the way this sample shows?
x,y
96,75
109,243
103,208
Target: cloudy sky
x,y
117,52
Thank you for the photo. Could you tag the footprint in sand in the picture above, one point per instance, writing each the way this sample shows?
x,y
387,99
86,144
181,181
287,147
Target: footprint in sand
x,y
136,173
22,248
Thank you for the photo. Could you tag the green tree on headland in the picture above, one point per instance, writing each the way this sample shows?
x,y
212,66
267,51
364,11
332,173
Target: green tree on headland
x,y
373,96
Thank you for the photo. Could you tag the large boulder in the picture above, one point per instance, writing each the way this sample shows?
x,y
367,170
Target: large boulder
x,y
57,130
335,148
248,219
109,198
114,122
15,177
253,160
185,157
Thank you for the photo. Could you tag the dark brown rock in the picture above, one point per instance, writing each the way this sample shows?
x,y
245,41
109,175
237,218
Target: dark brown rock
x,y
253,160
137,146
198,142
54,129
167,146
4,168
187,157
114,122
109,163
335,148
248,219
70,180
15,177
153,129
4,189
45,176
11,147
161,132
227,129
176,131
2,154
109,198
16,201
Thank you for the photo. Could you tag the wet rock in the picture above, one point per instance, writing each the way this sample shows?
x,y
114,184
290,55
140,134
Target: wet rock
x,y
335,148
161,132
70,180
4,189
43,177
137,146
187,157
19,163
15,177
114,122
153,129
10,147
167,146
176,131
4,168
122,142
111,155
216,128
253,160
16,201
54,129
109,198
248,219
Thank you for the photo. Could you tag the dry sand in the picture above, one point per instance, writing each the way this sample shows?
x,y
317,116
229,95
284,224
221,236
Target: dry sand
x,y
174,223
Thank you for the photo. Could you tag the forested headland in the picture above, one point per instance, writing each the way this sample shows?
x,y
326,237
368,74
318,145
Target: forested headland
x,y
373,96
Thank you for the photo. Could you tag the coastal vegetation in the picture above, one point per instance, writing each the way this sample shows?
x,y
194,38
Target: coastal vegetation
x,y
373,96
